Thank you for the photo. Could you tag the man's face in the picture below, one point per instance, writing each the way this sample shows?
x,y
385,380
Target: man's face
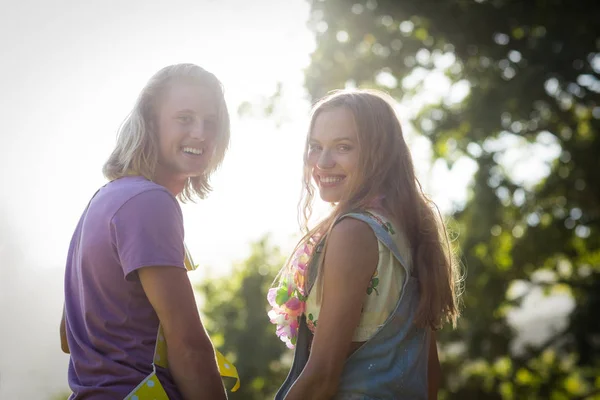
x,y
187,125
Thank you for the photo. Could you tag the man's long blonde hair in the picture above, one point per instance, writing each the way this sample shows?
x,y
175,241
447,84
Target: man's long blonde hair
x,y
136,151
385,171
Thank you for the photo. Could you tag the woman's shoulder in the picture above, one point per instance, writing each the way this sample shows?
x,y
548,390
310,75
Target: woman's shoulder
x,y
350,231
351,242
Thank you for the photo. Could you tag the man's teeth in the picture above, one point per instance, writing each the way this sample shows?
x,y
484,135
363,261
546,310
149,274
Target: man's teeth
x,y
193,150
330,179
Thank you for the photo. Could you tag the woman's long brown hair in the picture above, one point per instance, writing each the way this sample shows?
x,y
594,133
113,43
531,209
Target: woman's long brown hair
x,y
386,171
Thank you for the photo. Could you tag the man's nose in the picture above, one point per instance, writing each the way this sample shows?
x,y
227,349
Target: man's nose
x,y
198,131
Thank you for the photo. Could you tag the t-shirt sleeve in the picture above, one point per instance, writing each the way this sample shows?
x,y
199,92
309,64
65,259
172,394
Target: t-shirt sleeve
x,y
148,231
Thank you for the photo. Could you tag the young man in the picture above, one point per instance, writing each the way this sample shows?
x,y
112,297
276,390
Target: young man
x,y
125,269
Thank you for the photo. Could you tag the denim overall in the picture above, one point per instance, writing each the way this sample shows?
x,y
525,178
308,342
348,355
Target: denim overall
x,y
390,365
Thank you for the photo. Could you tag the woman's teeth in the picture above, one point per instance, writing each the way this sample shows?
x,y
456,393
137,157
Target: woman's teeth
x,y
192,150
330,179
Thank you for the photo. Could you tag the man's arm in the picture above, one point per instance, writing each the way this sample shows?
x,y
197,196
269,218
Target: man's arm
x,y
190,352
148,234
434,371
64,345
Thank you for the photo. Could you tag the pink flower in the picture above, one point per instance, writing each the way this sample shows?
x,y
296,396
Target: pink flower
x,y
302,257
299,280
271,297
283,330
294,328
276,317
294,307
285,314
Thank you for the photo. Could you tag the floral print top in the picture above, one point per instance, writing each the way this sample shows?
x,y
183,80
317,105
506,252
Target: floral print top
x,y
383,292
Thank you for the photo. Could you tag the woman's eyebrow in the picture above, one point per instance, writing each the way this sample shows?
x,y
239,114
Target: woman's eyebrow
x,y
340,139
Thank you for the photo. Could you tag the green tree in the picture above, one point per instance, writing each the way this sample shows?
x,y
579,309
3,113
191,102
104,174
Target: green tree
x,y
235,313
532,69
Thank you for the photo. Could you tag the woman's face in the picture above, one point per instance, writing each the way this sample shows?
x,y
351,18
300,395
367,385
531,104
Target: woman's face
x,y
333,152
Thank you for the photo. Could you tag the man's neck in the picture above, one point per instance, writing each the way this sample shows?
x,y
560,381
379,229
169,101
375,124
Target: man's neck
x,y
173,184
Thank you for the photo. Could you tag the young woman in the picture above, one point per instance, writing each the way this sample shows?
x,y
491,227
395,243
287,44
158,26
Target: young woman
x,y
367,287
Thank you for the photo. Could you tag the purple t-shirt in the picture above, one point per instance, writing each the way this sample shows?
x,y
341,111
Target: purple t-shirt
x,y
111,326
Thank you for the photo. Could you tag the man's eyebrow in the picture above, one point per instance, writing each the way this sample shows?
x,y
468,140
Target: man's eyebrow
x,y
190,111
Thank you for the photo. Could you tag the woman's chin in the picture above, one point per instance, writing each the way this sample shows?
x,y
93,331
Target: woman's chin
x,y
328,198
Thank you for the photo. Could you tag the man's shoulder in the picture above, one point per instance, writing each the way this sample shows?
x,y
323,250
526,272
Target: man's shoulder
x,y
134,184
135,192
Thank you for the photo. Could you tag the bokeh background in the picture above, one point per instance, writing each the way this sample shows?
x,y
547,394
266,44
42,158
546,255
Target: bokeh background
x,y
499,101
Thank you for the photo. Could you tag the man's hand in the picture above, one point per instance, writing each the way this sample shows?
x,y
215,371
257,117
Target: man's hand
x,y
64,345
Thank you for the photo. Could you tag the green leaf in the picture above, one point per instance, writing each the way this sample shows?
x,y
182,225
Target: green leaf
x,y
282,296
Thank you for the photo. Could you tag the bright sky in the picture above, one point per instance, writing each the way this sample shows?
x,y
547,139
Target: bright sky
x,y
71,71
74,74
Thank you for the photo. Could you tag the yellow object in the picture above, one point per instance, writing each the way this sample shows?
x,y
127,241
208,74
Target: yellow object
x,y
151,389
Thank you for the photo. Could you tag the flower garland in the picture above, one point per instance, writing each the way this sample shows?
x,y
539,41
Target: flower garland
x,y
288,300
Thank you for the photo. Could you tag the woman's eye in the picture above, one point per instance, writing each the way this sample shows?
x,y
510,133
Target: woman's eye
x,y
345,147
314,147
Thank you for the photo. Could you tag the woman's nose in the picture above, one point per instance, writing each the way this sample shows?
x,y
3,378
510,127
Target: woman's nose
x,y
325,160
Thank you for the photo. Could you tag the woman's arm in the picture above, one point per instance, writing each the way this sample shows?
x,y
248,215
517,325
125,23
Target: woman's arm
x,y
350,261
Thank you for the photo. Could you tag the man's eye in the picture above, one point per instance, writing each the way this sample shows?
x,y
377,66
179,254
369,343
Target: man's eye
x,y
186,119
210,124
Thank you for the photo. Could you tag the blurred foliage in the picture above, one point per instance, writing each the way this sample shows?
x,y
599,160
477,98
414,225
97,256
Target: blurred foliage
x,y
61,396
518,76
235,314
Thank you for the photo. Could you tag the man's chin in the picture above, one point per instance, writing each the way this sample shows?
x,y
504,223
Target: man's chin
x,y
195,173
